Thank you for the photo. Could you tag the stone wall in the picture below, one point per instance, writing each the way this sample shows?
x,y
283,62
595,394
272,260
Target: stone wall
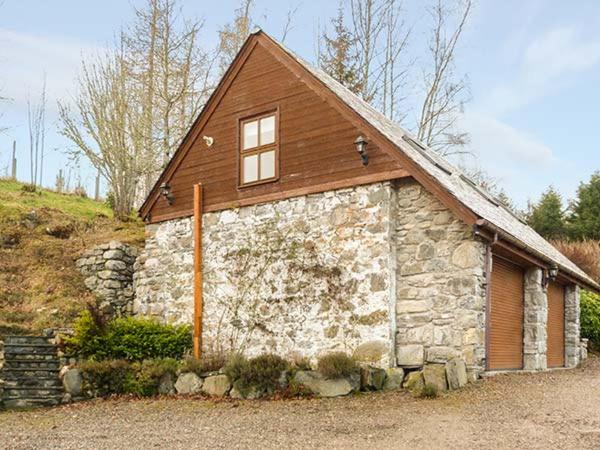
x,y
301,276
572,338
535,321
440,285
108,272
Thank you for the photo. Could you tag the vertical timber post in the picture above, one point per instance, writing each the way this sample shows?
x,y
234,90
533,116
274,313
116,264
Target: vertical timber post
x,y
14,161
198,299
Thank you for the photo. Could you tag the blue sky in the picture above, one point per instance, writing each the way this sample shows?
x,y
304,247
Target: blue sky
x,y
533,66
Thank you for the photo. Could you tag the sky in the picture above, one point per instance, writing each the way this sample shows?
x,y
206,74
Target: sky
x,y
533,68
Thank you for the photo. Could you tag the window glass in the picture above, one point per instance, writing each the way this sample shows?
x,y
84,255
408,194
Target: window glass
x,y
250,135
250,169
267,165
267,130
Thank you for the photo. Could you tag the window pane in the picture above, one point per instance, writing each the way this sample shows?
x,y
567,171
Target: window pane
x,y
267,130
250,169
267,165
250,134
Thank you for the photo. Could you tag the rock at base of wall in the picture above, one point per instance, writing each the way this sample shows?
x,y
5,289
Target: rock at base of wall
x,y
216,386
166,385
324,387
414,381
372,378
188,383
72,382
393,379
456,373
435,375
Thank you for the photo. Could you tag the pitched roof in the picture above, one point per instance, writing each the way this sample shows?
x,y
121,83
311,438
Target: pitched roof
x,y
450,178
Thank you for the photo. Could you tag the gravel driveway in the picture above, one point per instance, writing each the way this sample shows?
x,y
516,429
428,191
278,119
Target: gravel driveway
x,y
559,409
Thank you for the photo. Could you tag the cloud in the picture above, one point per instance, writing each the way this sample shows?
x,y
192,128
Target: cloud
x,y
25,58
542,66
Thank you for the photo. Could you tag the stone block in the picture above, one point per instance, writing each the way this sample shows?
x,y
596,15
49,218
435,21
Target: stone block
x,y
410,355
188,383
435,374
216,386
414,381
394,378
456,373
72,381
372,378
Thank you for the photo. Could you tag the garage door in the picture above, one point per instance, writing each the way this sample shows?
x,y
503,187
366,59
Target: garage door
x,y
556,325
505,347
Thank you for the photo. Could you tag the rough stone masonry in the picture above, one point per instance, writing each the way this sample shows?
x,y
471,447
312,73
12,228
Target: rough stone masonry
x,y
383,271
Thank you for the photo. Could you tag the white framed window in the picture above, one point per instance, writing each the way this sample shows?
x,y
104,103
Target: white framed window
x,y
259,151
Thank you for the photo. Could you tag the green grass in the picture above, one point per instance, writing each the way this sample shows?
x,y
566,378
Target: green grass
x,y
14,202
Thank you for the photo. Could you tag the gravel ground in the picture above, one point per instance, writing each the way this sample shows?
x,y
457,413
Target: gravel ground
x,y
559,409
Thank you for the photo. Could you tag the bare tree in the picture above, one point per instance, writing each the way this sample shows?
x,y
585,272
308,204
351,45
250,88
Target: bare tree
x,y
233,35
100,124
289,22
136,104
444,92
36,121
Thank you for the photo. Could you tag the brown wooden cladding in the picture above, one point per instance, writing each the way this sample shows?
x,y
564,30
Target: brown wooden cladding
x,y
505,347
556,325
316,143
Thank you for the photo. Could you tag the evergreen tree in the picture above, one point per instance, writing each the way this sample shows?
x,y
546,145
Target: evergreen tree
x,y
547,216
339,58
584,222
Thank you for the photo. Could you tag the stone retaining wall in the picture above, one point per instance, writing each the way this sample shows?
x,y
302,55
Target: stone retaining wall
x,y
108,269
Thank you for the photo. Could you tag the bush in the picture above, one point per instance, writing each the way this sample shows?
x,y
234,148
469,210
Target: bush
x,y
130,338
110,377
590,318
429,391
336,365
207,363
104,378
261,373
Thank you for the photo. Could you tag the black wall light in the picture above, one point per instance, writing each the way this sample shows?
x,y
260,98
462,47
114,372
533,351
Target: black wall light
x,y
165,191
361,148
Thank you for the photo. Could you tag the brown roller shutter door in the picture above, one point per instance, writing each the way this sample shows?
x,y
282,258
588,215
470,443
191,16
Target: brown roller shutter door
x,y
556,325
505,347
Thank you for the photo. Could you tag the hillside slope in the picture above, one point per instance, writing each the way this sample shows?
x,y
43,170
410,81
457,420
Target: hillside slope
x,y
41,235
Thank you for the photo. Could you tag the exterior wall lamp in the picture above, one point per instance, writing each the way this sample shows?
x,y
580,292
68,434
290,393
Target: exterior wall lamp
x,y
553,272
361,148
165,191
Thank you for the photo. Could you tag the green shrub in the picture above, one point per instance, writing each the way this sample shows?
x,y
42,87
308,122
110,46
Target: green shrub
x,y
130,338
590,318
110,377
429,391
336,365
104,378
206,363
144,377
261,373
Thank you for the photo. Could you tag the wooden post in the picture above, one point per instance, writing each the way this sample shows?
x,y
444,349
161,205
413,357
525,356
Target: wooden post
x,y
198,270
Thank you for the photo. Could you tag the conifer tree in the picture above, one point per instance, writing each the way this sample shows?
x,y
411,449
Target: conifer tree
x,y
547,216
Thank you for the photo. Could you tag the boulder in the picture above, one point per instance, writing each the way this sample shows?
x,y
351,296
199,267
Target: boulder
x,y
414,381
72,381
371,378
323,387
250,394
435,374
166,386
393,379
188,383
372,352
216,386
456,373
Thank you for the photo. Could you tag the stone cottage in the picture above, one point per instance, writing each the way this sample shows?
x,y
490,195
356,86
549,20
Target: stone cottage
x,y
296,219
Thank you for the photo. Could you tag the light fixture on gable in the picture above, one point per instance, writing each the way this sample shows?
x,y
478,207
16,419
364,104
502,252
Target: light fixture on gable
x,y
208,140
361,148
165,191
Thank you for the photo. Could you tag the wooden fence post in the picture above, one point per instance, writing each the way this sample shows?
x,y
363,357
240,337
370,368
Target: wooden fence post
x,y
198,299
